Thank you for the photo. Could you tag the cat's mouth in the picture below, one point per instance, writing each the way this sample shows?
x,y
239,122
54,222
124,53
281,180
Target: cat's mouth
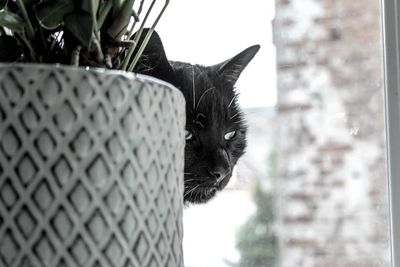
x,y
200,192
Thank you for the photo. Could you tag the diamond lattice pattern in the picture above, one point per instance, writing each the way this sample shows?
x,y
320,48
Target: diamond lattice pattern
x,y
91,169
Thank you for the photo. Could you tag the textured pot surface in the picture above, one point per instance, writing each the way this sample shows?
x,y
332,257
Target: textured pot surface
x,y
91,168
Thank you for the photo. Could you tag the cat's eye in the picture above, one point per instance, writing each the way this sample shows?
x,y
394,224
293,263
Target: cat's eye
x,y
230,135
188,135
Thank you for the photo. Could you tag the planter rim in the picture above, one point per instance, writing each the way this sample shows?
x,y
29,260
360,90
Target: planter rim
x,y
130,75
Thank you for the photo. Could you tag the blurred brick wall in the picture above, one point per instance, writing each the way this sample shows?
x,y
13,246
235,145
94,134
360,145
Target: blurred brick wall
x,y
333,208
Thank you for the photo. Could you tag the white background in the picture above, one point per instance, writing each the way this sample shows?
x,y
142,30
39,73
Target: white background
x,y
210,31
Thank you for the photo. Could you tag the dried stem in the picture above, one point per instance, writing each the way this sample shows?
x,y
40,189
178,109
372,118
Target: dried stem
x,y
29,29
138,14
97,49
75,56
147,38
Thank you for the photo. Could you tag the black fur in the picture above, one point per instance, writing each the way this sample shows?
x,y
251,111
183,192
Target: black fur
x,y
212,112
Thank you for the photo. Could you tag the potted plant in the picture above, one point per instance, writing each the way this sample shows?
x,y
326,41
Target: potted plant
x,y
91,155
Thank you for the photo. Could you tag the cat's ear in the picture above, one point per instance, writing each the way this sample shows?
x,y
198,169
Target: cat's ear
x,y
231,69
154,61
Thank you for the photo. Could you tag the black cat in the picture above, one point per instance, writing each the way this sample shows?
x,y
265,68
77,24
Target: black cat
x,y
215,124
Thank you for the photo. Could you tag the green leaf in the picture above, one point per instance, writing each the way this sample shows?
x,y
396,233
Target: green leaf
x,y
80,24
10,49
91,7
117,5
51,14
105,9
121,20
12,21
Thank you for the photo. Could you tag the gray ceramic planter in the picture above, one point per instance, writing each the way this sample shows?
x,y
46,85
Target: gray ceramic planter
x,y
91,168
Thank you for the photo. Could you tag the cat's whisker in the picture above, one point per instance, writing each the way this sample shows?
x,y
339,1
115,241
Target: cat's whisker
x,y
230,103
243,120
237,114
200,114
205,182
201,97
189,180
202,126
193,188
196,194
194,89
191,191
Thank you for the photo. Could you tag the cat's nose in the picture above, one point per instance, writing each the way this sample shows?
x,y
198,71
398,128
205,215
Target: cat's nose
x,y
219,174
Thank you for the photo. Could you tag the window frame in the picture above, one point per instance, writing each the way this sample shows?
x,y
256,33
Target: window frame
x,y
391,52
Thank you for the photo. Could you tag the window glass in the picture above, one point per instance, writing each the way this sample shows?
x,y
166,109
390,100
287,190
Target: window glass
x,y
312,188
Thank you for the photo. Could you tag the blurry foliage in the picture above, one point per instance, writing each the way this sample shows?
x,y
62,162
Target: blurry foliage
x,y
257,240
98,33
272,164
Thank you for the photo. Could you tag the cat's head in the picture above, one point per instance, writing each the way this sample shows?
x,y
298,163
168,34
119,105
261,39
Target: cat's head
x,y
215,124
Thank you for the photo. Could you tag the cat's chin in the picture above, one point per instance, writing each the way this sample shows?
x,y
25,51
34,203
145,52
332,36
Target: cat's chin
x,y
201,195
